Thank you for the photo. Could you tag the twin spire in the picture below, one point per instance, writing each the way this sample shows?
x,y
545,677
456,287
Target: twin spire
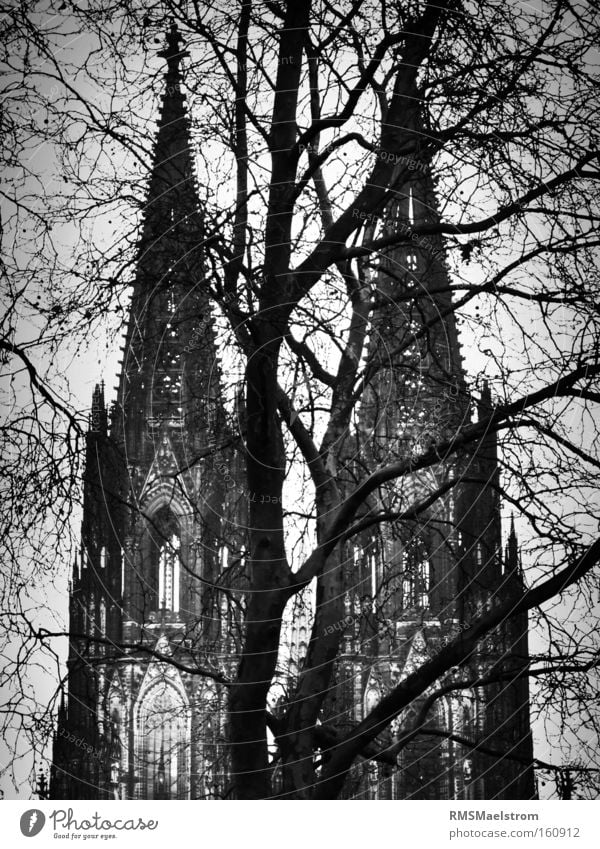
x,y
172,199
169,251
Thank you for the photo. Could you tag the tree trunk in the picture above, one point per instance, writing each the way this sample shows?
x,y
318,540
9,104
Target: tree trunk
x,y
269,588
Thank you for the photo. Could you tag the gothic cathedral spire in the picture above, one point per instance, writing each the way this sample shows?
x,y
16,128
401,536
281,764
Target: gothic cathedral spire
x,y
156,543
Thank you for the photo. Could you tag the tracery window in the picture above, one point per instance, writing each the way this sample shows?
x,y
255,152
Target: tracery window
x,y
424,761
163,564
102,617
91,621
163,744
464,779
411,206
116,739
415,575
168,574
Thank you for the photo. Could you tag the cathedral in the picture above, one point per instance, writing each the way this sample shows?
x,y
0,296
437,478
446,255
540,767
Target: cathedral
x,y
157,588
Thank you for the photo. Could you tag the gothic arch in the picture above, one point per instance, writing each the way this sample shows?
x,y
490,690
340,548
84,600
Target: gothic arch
x,y
116,735
162,741
372,694
163,545
424,762
165,496
416,573
464,724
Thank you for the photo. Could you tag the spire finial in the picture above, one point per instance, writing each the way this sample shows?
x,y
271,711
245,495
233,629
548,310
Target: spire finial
x,y
173,52
512,557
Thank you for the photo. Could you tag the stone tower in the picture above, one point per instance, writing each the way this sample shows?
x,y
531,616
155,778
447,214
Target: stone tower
x,y
416,582
161,565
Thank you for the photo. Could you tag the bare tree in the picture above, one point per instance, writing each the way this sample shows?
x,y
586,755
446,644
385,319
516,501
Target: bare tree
x,y
314,120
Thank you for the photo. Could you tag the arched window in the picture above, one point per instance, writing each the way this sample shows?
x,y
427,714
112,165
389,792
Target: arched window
x,y
163,561
116,739
411,206
115,751
163,744
91,628
422,581
468,785
168,574
479,554
372,699
464,724
424,760
373,570
102,617
415,575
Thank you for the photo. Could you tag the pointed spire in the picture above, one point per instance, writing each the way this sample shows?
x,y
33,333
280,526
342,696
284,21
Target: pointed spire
x,y
169,280
511,557
172,196
75,573
173,108
62,709
98,422
485,405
